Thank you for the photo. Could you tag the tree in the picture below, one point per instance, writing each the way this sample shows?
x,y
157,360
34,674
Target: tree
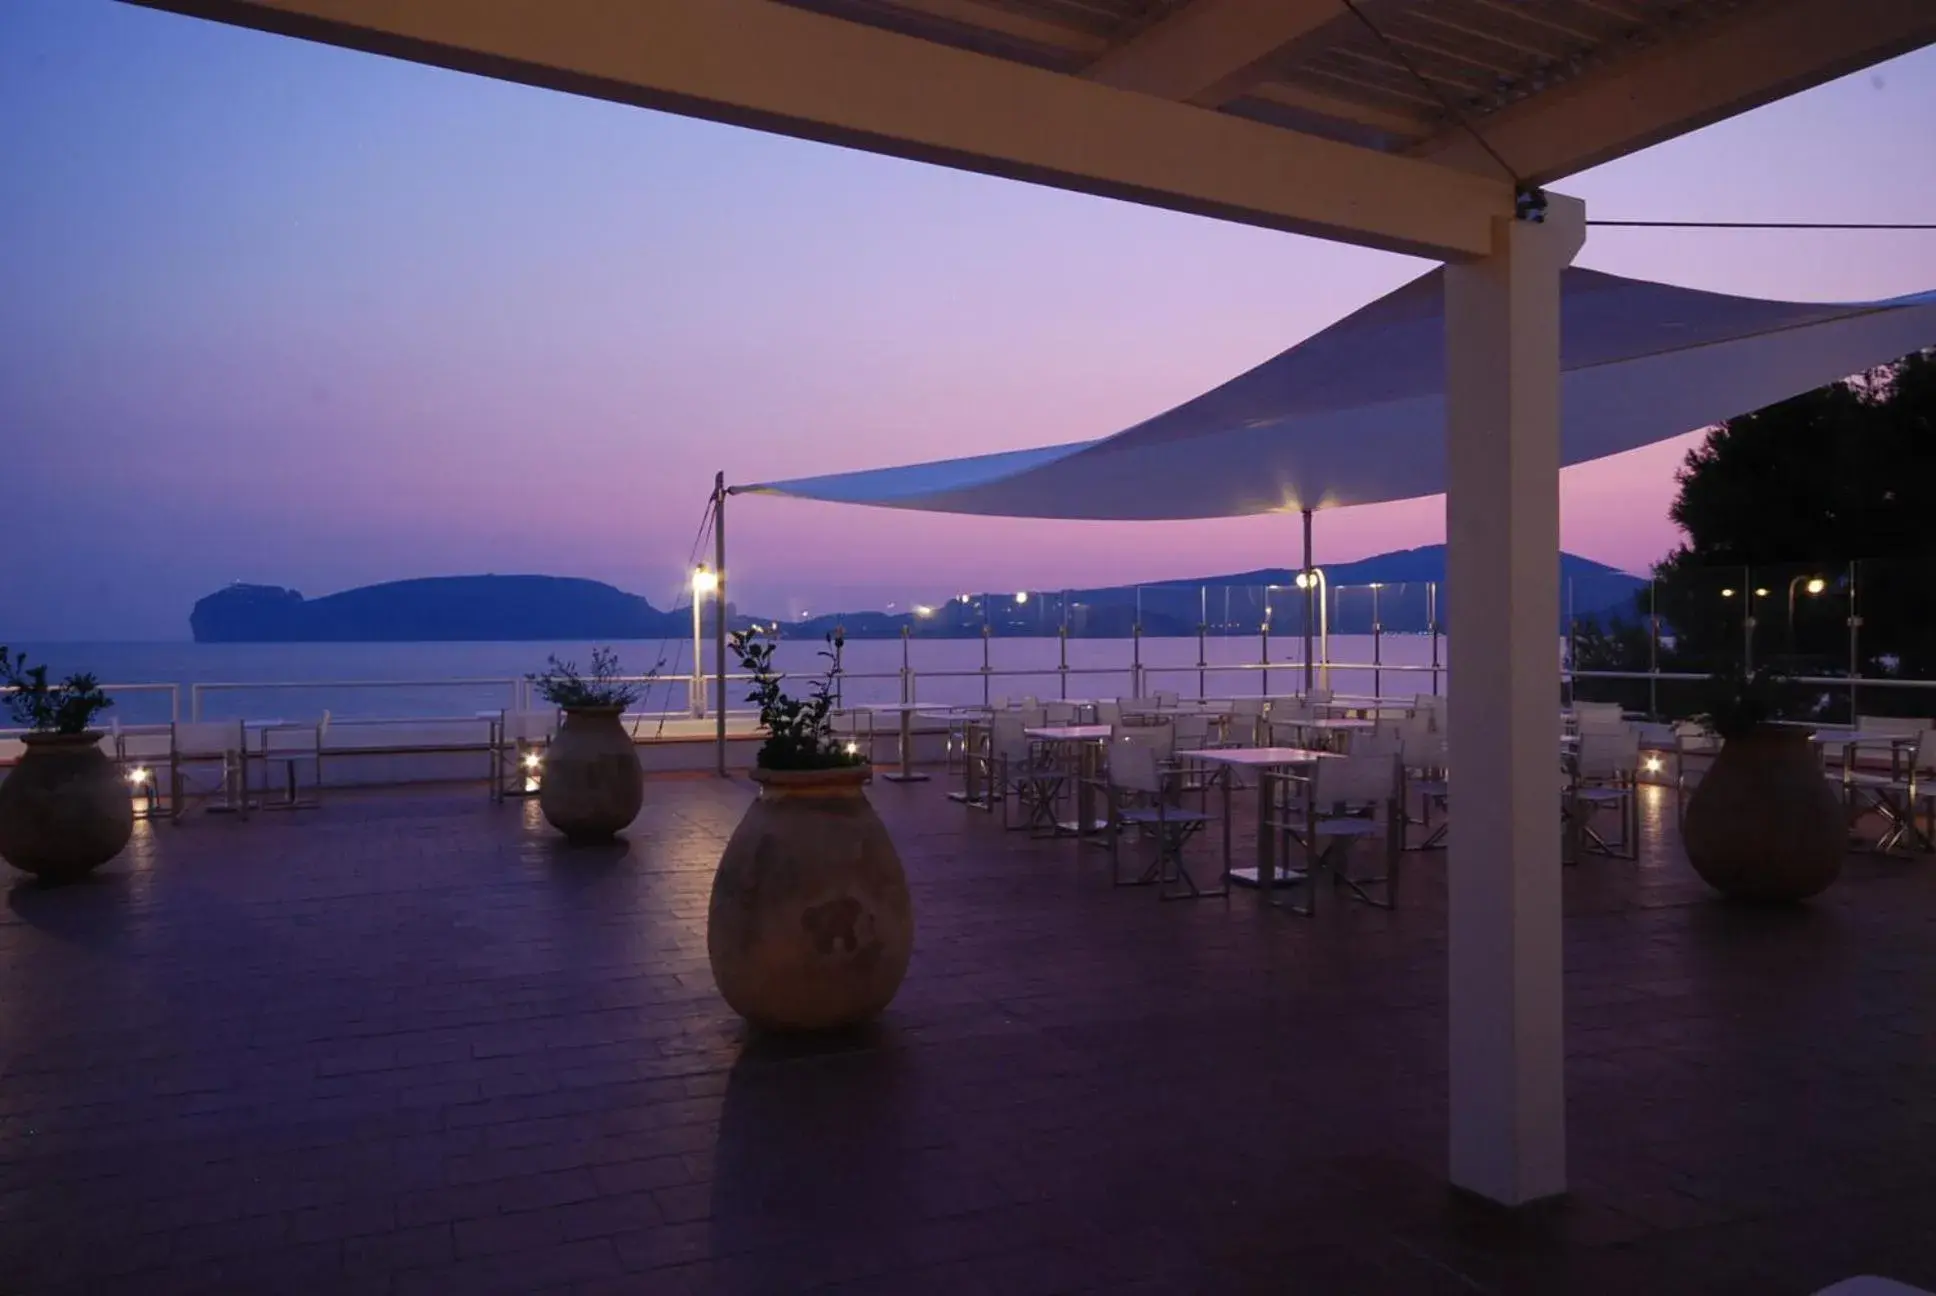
x,y
1817,499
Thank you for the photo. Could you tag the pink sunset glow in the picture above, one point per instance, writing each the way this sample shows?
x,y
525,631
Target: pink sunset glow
x,y
298,316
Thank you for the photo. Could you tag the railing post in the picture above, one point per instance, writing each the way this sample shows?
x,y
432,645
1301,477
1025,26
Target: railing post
x,y
1653,649
1263,640
1062,665
1432,621
1855,644
907,670
985,699
1136,652
1202,688
1377,650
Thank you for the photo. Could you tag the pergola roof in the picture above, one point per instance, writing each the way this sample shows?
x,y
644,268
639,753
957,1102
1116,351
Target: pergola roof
x,y
1356,414
1291,114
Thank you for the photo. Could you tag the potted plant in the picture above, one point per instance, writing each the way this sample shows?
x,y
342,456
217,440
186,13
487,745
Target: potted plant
x,y
810,926
590,784
1763,824
64,809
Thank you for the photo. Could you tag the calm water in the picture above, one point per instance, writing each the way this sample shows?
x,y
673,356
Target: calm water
x,y
366,681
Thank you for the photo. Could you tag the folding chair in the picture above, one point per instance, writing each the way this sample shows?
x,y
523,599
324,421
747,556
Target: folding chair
x,y
204,762
1137,776
1345,800
1606,773
292,746
517,751
1897,795
1023,770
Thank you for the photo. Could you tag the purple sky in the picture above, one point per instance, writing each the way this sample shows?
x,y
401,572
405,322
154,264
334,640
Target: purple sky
x,y
281,313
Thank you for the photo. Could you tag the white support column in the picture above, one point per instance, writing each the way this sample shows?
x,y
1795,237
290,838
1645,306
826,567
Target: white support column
x,y
1508,1080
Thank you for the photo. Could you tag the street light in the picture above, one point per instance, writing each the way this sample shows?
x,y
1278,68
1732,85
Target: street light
x,y
705,581
1312,583
1814,585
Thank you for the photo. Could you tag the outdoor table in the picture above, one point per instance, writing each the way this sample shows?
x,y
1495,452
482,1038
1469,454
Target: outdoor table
x,y
1266,760
1086,739
243,799
1326,727
906,773
1369,708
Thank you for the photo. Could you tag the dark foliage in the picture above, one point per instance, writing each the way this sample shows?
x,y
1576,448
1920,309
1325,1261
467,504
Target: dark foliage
x,y
562,685
1803,514
1741,702
799,734
67,707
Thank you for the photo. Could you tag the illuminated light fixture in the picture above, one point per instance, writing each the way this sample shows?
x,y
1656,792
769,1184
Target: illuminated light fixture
x,y
853,749
1021,596
922,610
1727,593
138,775
532,760
967,598
1654,765
704,581
1761,593
1304,580
1816,585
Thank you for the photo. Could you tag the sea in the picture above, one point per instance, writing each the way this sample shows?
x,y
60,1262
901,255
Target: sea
x,y
154,682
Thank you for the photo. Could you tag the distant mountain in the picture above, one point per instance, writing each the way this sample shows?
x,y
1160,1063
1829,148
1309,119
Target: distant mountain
x,y
560,607
432,609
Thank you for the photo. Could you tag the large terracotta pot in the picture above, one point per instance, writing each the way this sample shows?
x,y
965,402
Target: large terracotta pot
x,y
592,784
810,926
1764,824
64,809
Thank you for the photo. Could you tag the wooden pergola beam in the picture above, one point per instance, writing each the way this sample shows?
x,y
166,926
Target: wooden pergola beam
x,y
1210,51
774,67
1762,53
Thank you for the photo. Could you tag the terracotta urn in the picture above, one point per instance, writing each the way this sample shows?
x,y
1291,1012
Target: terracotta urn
x,y
810,926
64,809
592,784
1764,824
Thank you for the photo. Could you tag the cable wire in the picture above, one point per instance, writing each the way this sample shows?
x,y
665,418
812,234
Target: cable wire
x,y
1766,225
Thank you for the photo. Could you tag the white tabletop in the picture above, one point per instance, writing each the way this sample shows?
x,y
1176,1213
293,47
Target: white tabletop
x,y
1069,733
1264,756
1858,738
1327,724
908,707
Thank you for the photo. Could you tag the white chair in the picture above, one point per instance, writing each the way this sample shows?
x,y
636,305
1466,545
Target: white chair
x,y
1060,713
1145,799
1897,795
1019,767
1340,802
1695,747
1421,773
292,746
1246,719
1165,700
205,760
1109,713
1606,771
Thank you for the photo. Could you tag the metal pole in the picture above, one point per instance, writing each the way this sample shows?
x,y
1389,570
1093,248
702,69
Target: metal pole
x,y
984,652
1310,589
1855,644
719,617
907,671
1377,654
1264,640
1653,648
1136,650
1432,616
1062,663
1747,621
696,703
1572,645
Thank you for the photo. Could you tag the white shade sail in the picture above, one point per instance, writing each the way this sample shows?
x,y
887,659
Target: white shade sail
x,y
1356,414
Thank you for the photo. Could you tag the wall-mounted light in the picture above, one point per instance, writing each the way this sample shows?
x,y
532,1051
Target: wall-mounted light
x,y
1816,585
1654,765
1727,593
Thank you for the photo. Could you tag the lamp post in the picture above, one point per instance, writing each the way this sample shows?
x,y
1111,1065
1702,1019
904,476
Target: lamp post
x,y
1814,585
1312,582
705,581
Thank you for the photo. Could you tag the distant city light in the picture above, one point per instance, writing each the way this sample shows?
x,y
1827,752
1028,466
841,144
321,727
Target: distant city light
x,y
1021,596
1727,593
1761,593
922,609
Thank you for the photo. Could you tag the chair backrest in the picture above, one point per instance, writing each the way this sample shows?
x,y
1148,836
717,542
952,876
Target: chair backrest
x,y
1608,753
1901,726
208,738
1925,759
1246,708
1386,737
1314,696
1292,709
1600,720
531,726
1362,778
1031,704
1165,699
1693,736
1007,739
1060,713
1421,746
999,702
1135,765
1190,732
1109,713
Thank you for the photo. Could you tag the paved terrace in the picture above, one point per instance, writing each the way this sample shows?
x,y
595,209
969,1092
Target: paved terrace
x,y
414,1044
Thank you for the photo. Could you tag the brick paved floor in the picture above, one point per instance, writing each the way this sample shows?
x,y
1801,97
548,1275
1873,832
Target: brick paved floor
x,y
412,1043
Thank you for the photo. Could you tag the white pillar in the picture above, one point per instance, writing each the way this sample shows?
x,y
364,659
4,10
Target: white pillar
x,y
1508,1081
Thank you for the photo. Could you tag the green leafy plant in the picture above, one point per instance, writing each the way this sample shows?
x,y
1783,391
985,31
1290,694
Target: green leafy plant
x,y
64,708
1739,702
562,684
799,734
